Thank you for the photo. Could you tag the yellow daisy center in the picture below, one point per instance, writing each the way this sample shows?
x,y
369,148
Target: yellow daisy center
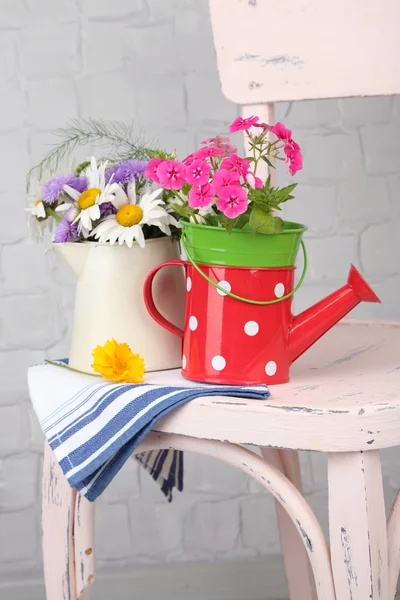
x,y
129,215
37,203
88,198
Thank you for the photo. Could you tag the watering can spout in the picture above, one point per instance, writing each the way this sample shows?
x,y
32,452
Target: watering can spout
x,y
310,325
74,254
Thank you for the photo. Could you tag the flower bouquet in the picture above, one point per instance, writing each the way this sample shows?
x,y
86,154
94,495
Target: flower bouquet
x,y
225,208
114,204
112,225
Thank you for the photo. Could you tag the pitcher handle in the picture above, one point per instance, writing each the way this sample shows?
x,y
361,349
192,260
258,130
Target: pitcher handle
x,y
149,300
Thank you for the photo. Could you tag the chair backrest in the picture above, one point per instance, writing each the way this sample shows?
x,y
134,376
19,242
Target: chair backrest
x,y
270,51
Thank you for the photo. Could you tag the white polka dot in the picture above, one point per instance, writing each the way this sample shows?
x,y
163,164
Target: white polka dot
x,y
189,284
218,363
193,323
270,368
251,328
279,290
184,362
224,284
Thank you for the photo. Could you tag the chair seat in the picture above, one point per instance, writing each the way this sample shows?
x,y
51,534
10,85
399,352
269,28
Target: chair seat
x,y
344,395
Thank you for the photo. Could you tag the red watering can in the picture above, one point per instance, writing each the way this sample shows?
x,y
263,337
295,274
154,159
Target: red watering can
x,y
232,335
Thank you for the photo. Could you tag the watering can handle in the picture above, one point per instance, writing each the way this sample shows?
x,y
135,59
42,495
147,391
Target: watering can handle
x,y
149,300
248,300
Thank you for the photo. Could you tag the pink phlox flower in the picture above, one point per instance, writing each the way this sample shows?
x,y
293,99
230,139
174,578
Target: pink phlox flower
x,y
264,126
223,178
291,149
217,141
198,172
201,196
294,157
293,145
172,174
261,136
237,164
209,151
151,169
281,132
223,142
230,149
253,181
189,159
232,201
240,124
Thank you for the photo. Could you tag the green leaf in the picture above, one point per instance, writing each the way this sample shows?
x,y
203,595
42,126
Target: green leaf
x,y
159,154
262,222
242,220
229,224
288,189
186,189
182,211
213,220
286,199
259,220
269,163
151,153
276,226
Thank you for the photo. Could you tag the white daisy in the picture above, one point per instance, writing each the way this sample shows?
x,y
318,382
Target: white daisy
x,y
126,225
96,193
38,220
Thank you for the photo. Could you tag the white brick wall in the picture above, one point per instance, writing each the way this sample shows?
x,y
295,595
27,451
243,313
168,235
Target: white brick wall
x,y
153,61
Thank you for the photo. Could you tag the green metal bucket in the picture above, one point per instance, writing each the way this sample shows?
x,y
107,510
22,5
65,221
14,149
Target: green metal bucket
x,y
214,246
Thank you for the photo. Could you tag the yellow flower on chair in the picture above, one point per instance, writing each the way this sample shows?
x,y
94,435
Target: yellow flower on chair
x,y
117,362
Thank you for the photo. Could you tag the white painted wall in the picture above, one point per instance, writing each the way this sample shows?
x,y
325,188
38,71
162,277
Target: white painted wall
x,y
153,61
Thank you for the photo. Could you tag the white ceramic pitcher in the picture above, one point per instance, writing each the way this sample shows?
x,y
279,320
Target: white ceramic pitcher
x,y
109,300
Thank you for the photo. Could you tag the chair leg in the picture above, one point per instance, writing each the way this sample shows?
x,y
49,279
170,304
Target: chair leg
x,y
298,570
84,546
393,530
357,524
58,507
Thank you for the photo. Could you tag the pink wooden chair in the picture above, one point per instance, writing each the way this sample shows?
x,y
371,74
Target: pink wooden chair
x,y
344,397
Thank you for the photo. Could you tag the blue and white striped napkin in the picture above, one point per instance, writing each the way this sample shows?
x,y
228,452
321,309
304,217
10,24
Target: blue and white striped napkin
x,y
94,425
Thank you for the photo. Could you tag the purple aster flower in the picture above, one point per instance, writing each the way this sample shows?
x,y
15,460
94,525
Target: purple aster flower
x,y
107,208
66,230
124,171
53,188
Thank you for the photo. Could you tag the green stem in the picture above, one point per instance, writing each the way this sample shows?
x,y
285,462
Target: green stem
x,y
255,161
52,213
63,366
192,213
179,197
260,151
